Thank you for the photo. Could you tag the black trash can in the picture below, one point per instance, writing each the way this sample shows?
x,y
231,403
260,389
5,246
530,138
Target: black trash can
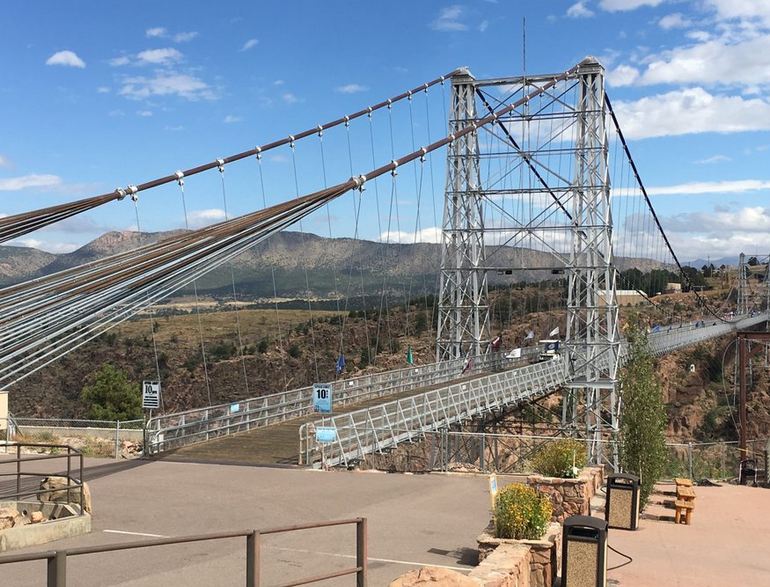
x,y
584,552
621,510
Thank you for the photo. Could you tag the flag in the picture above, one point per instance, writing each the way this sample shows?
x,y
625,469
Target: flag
x,y
409,357
554,332
514,354
468,364
340,364
530,335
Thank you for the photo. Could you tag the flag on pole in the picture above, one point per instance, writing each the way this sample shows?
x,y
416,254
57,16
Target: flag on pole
x,y
530,335
468,364
496,342
514,354
554,332
340,364
409,357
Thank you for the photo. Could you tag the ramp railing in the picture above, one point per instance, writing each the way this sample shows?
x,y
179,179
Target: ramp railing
x,y
670,338
172,431
340,440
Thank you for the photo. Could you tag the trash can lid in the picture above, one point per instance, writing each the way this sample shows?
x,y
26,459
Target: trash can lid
x,y
586,522
624,477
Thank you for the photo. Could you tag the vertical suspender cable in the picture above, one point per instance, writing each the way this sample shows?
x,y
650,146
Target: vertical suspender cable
x,y
180,183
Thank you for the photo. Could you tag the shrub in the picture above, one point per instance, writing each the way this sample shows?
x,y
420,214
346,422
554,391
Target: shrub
x,y
521,513
112,396
643,426
557,458
294,351
262,346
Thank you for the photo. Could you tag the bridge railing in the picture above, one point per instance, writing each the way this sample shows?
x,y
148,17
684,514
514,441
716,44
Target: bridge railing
x,y
670,338
375,429
173,431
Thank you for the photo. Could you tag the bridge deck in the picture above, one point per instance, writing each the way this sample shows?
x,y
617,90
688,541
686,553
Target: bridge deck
x,y
277,444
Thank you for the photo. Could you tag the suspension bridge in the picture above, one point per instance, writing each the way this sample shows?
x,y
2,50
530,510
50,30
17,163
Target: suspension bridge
x,y
540,185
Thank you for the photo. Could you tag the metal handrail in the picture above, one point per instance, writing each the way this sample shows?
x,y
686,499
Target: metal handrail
x,y
355,433
72,482
57,559
176,430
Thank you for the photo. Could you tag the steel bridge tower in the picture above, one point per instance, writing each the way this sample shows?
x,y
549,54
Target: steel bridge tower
x,y
592,339
463,313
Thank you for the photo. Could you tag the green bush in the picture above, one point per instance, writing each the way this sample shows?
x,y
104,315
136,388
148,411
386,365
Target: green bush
x,y
112,396
557,458
521,513
643,425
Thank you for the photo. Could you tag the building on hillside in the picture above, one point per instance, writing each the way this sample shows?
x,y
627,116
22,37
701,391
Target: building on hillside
x,y
673,288
628,297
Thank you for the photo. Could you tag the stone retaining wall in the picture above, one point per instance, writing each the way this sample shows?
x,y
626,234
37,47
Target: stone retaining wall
x,y
507,566
545,554
570,497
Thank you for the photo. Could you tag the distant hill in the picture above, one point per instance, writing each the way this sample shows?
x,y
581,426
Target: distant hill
x,y
396,268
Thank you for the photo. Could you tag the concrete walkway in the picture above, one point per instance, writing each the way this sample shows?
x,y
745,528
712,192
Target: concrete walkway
x,y
727,543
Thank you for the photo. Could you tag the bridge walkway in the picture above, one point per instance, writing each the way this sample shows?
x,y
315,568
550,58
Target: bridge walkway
x,y
277,444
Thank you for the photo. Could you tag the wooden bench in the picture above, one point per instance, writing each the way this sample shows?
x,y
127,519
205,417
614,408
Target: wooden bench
x,y
683,511
682,482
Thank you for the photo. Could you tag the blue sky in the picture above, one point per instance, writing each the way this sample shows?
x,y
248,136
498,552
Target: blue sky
x,y
97,95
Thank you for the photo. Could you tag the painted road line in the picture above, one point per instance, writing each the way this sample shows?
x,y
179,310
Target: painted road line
x,y
371,559
135,533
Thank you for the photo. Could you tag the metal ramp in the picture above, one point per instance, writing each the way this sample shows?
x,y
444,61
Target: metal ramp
x,y
384,426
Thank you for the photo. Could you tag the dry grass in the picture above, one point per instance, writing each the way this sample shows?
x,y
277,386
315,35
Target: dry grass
x,y
183,330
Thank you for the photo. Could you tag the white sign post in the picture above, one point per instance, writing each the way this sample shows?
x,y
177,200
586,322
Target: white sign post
x,y
150,395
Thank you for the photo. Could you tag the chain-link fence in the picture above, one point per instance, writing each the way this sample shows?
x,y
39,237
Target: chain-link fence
x,y
94,437
445,450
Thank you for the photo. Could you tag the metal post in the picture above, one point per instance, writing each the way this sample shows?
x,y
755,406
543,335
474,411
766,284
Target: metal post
x,y
18,470
252,559
82,491
57,569
117,438
482,446
362,552
69,476
463,319
689,459
742,409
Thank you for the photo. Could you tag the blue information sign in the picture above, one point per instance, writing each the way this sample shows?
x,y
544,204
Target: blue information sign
x,y
322,398
325,434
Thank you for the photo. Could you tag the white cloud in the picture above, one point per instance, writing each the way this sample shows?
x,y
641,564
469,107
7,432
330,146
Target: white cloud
x,y
431,234
689,111
714,159
250,44
351,89
103,90
579,10
289,98
448,20
741,9
185,37
675,20
157,31
483,26
176,128
278,82
33,180
700,36
66,59
167,83
51,247
230,119
199,218
4,161
159,56
711,187
714,62
622,75
119,61
624,5
144,113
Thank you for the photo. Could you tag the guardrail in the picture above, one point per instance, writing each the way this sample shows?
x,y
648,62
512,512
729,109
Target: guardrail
x,y
73,483
57,559
172,431
670,338
374,429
